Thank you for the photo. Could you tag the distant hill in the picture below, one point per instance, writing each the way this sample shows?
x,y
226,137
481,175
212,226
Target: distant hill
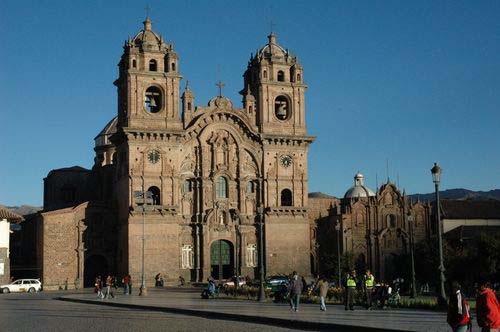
x,y
23,209
460,194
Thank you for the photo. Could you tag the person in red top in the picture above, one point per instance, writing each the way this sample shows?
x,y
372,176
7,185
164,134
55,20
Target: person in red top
x,y
487,308
458,310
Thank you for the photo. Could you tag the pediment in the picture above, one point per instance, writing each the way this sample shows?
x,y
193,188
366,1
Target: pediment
x,y
233,120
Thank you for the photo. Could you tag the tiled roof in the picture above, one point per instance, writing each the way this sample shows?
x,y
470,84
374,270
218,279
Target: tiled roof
x,y
470,209
10,216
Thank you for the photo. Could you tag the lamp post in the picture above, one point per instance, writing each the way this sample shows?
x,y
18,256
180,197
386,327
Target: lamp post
x,y
436,178
337,228
413,283
143,291
260,215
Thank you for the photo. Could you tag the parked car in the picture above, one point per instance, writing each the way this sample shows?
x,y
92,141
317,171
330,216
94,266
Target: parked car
x,y
231,282
22,285
276,283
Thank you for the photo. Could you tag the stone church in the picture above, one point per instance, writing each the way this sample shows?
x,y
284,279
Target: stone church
x,y
374,227
179,187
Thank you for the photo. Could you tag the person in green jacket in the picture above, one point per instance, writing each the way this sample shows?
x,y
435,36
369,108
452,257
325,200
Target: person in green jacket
x,y
350,289
369,283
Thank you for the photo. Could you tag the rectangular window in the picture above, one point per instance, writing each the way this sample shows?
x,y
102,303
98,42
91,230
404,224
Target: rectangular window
x,y
187,257
251,256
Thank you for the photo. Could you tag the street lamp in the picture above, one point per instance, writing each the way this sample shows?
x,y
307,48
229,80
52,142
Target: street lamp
x,y
436,178
413,283
260,215
146,200
337,228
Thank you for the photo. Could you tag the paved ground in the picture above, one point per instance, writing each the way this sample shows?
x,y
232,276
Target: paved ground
x,y
189,302
41,312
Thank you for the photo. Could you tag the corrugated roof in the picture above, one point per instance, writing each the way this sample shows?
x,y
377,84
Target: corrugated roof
x,y
10,216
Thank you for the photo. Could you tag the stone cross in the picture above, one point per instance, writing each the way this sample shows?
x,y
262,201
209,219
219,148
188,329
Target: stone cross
x,y
220,85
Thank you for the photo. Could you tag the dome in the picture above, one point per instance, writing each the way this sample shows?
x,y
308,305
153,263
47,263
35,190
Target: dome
x,y
102,138
272,49
359,189
147,37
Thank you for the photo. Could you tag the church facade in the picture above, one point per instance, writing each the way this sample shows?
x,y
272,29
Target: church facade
x,y
373,228
182,188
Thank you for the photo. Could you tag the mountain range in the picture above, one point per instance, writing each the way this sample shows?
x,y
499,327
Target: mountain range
x,y
460,194
23,209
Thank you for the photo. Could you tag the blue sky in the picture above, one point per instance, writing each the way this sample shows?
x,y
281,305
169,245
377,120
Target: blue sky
x,y
411,82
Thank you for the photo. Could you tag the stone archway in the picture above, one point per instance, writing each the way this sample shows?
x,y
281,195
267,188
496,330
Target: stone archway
x,y
221,259
95,265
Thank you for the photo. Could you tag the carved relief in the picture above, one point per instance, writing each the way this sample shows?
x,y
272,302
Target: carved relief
x,y
188,164
249,165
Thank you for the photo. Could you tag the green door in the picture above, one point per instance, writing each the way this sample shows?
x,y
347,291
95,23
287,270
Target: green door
x,y
221,259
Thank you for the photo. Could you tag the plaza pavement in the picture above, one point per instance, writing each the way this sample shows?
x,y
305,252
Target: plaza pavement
x,y
187,301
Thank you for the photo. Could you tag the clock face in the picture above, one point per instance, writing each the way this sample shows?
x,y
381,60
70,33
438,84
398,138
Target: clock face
x,y
286,160
154,157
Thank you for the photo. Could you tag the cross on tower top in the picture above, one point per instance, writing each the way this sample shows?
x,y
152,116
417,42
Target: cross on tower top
x,y
272,25
147,9
220,85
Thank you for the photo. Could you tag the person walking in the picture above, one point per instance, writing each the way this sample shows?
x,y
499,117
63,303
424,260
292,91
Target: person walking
x,y
322,287
369,282
99,285
294,291
350,289
487,308
109,283
126,284
458,310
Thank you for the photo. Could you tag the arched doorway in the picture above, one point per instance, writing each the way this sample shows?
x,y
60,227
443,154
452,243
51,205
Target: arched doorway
x,y
95,265
221,259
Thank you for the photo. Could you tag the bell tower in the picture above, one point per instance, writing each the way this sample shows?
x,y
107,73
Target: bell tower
x,y
274,77
148,82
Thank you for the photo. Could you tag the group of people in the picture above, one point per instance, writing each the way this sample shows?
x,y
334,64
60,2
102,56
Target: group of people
x,y
487,309
374,294
104,287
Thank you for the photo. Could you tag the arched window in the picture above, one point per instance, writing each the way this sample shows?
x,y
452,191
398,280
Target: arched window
x,y
264,74
281,108
298,78
250,109
187,186
250,187
391,221
134,63
155,195
173,66
286,197
153,99
189,106
152,65
281,76
221,187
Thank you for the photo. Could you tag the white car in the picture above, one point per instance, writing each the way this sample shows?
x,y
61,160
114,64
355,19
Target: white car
x,y
22,285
